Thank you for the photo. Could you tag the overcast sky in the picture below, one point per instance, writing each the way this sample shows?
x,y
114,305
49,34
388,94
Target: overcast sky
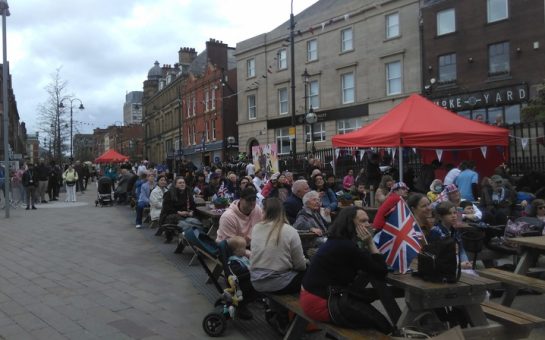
x,y
106,47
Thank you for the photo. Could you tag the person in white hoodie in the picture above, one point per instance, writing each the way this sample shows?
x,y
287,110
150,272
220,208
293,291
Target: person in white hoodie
x,y
156,200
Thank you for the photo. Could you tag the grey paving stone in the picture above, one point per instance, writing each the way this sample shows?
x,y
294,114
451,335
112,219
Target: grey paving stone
x,y
132,329
29,321
48,334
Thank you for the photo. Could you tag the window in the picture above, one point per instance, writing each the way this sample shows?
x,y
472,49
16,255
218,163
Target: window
x,y
447,68
497,10
347,88
312,50
347,40
392,25
193,104
193,131
283,101
213,98
498,58
188,106
206,100
446,21
251,107
319,132
314,94
348,125
188,135
393,78
512,114
282,59
250,68
283,141
213,129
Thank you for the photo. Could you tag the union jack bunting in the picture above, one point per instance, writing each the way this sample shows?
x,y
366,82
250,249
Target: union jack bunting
x,y
399,238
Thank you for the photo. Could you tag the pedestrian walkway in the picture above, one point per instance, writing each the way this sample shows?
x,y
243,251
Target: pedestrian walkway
x,y
76,271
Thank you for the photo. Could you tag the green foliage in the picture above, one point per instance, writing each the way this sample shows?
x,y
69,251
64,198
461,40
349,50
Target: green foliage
x,y
535,111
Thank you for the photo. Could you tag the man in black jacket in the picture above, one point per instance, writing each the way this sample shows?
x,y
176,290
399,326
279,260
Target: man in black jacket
x,y
42,171
294,203
55,178
30,182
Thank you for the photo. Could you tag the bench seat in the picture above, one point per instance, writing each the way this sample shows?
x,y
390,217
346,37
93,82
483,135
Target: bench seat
x,y
297,327
512,283
518,323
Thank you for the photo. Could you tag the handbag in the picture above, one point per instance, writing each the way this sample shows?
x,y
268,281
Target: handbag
x,y
70,183
352,310
437,261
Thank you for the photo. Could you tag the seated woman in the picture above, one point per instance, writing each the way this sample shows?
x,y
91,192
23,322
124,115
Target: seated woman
x,y
327,196
178,205
448,217
280,188
383,189
278,264
337,264
156,200
420,206
309,218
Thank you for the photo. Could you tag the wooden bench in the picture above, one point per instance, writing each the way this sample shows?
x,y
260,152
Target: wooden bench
x,y
297,327
512,283
519,324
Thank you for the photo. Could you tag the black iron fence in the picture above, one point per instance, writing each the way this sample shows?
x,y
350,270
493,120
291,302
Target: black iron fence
x,y
526,153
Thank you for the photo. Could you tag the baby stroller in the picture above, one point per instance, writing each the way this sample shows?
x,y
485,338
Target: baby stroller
x,y
104,192
238,289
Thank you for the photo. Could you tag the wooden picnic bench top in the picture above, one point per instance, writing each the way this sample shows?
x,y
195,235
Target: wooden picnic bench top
x,y
536,242
504,314
467,283
213,213
513,279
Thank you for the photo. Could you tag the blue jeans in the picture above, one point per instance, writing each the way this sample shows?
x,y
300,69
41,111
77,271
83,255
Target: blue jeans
x,y
139,211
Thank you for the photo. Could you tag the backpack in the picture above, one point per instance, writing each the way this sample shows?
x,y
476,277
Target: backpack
x,y
522,227
438,262
198,238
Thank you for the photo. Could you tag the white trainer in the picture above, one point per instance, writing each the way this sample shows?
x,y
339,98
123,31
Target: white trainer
x,y
138,226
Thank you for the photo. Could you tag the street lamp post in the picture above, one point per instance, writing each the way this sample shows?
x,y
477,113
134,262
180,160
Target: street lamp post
x,y
292,59
311,118
4,7
305,76
179,149
61,105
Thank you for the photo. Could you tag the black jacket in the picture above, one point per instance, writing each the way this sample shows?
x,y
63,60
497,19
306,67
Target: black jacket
x,y
30,178
171,205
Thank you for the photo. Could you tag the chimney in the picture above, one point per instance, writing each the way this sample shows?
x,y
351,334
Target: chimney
x,y
217,52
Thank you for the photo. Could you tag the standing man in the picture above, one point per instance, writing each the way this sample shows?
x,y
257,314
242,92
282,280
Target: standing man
x,y
79,169
53,182
42,171
467,182
30,182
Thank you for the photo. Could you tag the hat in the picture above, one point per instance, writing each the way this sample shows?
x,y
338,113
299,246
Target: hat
x,y
275,176
451,188
399,185
497,179
248,194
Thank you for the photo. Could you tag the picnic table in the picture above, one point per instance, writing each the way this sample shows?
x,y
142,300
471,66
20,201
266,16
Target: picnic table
x,y
532,247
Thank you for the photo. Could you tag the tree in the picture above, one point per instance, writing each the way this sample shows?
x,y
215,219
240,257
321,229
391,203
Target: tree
x,y
535,111
52,119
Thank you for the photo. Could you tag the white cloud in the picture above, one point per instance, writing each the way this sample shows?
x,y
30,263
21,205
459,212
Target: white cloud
x,y
105,47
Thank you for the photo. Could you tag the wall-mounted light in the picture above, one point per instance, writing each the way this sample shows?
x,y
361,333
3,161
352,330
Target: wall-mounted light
x,y
518,50
430,68
470,60
536,45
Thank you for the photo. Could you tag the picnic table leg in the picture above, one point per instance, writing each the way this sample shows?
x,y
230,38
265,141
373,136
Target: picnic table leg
x,y
406,317
387,299
296,330
476,315
527,259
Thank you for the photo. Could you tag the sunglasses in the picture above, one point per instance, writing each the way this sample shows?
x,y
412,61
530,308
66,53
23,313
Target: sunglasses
x,y
541,207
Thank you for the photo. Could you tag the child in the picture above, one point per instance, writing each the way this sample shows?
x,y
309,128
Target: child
x,y
468,215
237,244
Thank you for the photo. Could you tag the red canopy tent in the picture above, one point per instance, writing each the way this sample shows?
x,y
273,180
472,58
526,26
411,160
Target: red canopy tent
x,y
419,123
111,156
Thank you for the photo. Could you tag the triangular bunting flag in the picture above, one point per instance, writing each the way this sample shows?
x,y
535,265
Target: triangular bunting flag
x,y
323,26
414,150
346,17
362,153
337,151
524,142
439,153
393,153
483,150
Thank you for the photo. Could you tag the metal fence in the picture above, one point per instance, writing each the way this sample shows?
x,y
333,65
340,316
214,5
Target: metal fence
x,y
526,153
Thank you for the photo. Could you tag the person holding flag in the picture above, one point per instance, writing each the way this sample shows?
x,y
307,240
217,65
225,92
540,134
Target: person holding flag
x,y
399,190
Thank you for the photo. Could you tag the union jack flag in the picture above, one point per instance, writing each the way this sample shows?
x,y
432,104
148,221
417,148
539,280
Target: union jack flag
x,y
222,191
399,238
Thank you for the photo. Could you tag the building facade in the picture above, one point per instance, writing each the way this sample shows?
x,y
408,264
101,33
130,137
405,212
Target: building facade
x,y
190,109
17,133
483,59
353,61
132,108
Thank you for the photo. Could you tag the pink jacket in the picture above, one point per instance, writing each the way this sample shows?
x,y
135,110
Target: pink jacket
x,y
234,223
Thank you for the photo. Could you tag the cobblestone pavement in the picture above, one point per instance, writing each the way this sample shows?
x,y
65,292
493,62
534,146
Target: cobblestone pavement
x,y
76,271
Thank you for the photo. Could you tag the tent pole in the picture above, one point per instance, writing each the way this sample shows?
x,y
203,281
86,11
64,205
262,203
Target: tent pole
x,y
400,158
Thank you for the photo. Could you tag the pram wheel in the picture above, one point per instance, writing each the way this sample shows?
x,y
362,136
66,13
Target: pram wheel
x,y
214,324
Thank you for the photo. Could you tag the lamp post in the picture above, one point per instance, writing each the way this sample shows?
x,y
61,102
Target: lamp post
x,y
4,7
305,76
292,59
61,105
311,118
179,149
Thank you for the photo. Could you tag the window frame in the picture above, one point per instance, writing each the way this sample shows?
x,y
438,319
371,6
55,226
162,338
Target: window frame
x,y
389,79
438,14
279,136
488,6
506,49
314,94
358,123
282,63
345,41
345,90
321,132
283,90
250,68
446,66
251,108
312,54
389,27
